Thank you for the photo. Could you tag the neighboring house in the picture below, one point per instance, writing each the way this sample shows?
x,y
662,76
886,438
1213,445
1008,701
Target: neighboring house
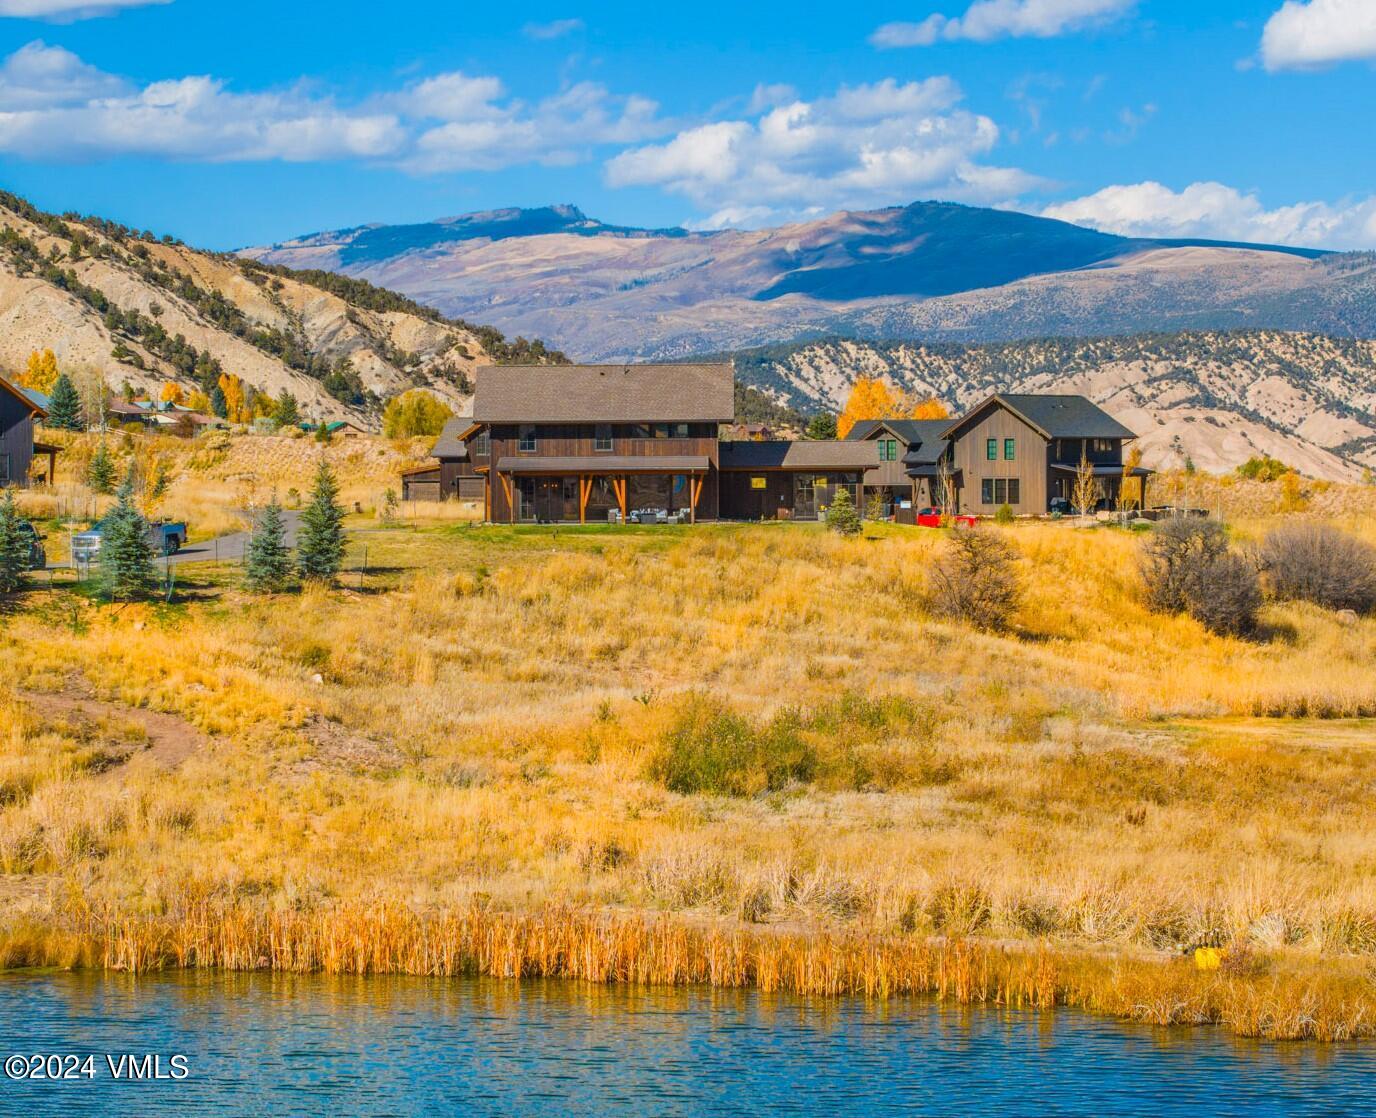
x,y
910,452
580,443
18,410
1024,450
339,428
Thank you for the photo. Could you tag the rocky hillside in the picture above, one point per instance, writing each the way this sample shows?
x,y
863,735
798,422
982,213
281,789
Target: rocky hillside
x,y
143,311
1207,397
930,271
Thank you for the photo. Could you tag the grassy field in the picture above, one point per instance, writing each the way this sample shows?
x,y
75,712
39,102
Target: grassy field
x,y
744,754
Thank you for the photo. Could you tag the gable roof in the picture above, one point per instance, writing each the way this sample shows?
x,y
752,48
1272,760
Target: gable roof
x,y
450,444
605,393
818,454
22,395
1055,416
925,438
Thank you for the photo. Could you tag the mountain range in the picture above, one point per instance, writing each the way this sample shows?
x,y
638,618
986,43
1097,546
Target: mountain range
x,y
143,310
931,271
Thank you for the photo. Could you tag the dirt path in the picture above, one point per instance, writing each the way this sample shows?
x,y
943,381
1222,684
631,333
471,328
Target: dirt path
x,y
170,740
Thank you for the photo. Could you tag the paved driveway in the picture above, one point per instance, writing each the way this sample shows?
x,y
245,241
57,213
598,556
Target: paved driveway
x,y
229,547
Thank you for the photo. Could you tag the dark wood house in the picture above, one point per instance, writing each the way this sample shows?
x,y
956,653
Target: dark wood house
x,y
1024,450
910,456
589,443
18,410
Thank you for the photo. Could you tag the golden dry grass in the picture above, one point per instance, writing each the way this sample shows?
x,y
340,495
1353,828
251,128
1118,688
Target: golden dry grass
x,y
469,740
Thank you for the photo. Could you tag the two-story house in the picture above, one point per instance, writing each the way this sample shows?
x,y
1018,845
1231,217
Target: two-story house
x,y
586,443
1024,450
18,410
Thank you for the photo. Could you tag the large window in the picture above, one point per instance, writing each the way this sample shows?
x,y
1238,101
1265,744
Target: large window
x,y
1010,449
1100,446
602,437
991,450
482,443
888,450
525,437
1000,491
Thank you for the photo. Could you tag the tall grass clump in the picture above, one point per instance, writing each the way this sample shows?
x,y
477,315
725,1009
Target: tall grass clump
x,y
712,749
1318,563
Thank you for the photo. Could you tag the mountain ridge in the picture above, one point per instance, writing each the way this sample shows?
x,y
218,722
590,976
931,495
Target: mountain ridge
x,y
930,270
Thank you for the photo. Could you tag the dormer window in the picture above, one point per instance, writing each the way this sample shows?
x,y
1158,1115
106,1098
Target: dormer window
x,y
602,436
888,450
525,438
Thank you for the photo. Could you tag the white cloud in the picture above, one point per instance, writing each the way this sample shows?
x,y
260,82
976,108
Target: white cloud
x,y
1317,33
54,106
987,20
1213,210
866,145
555,29
67,11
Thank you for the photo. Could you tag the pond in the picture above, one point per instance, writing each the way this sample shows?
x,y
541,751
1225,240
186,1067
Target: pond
x,y
280,1044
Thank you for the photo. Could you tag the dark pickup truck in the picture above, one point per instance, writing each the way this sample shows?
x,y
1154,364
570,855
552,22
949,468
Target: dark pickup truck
x,y
165,537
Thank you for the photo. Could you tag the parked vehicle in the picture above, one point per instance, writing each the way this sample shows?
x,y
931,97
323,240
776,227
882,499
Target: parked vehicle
x,y
165,537
932,518
38,557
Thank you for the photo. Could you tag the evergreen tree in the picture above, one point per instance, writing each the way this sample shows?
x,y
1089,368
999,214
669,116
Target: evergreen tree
x,y
288,414
100,474
218,404
126,558
822,426
14,547
320,546
841,514
64,409
269,567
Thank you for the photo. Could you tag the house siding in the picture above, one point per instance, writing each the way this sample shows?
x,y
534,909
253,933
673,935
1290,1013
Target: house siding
x,y
16,439
1029,464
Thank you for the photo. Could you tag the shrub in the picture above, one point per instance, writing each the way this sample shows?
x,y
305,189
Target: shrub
x,y
1263,468
1004,515
14,547
100,473
269,567
1187,568
1319,564
414,413
712,749
841,515
976,580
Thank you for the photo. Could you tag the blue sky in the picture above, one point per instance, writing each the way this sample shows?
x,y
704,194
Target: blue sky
x,y
234,124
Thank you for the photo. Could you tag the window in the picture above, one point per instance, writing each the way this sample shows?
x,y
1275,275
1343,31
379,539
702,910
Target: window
x,y
602,436
680,430
888,450
1010,447
525,438
1000,491
1100,446
4,468
482,443
991,449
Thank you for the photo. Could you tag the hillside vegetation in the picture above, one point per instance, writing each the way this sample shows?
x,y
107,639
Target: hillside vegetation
x,y
142,310
1212,399
732,753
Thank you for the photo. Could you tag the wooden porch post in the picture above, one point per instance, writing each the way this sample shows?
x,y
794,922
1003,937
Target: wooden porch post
x,y
510,504
620,486
695,485
584,489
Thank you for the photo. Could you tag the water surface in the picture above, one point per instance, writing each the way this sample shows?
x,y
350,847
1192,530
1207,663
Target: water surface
x,y
279,1045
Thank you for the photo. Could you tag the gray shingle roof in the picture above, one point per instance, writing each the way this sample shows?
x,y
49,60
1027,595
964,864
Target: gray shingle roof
x,y
925,438
448,444
605,393
821,454
1058,416
606,464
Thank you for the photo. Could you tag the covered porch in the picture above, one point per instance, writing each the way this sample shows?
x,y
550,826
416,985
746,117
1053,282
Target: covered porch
x,y
1114,482
597,490
43,451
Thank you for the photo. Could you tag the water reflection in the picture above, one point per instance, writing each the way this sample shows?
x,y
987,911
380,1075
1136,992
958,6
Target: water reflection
x,y
286,1044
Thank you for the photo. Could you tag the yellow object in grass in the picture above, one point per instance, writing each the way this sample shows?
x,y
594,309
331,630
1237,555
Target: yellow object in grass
x,y
1209,958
